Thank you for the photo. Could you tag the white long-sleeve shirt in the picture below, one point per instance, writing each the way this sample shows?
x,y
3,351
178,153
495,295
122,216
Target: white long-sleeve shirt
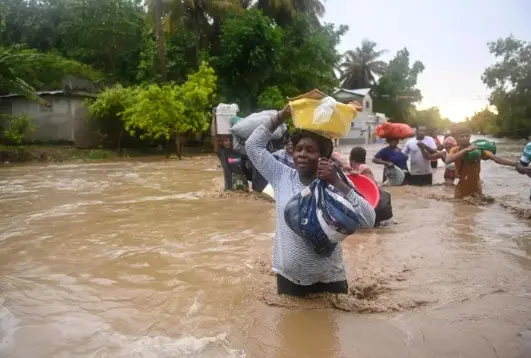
x,y
293,258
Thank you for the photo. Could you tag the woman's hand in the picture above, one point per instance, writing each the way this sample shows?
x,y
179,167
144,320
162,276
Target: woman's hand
x,y
285,113
389,165
327,171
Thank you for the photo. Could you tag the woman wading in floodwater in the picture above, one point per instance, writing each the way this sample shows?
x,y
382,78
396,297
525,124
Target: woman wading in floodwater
x,y
300,271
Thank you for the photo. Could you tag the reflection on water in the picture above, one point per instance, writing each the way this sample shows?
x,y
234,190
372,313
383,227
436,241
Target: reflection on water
x,y
149,259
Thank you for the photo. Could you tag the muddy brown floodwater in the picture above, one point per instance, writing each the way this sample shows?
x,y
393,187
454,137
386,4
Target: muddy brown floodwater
x,y
151,259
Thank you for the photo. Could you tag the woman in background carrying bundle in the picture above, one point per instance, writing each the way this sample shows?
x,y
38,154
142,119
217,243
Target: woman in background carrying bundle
x,y
392,157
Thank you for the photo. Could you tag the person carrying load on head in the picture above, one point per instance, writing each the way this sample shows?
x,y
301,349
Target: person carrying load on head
x,y
393,159
299,269
467,158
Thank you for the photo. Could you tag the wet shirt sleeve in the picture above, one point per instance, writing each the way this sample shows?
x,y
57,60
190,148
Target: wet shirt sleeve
x,y
525,159
365,211
485,155
381,154
266,164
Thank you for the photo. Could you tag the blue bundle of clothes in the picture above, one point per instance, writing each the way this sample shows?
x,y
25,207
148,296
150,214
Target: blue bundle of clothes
x,y
322,216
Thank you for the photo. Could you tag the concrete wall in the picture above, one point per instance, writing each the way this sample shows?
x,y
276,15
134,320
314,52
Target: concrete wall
x,y
57,123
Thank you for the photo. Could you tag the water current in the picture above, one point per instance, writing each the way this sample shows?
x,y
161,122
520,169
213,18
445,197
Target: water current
x,y
149,258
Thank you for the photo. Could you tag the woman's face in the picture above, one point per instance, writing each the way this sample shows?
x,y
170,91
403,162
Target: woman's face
x,y
393,143
306,156
289,147
463,140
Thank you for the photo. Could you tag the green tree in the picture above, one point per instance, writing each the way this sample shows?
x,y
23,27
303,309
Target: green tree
x,y
308,57
361,66
285,12
179,56
23,71
107,34
271,98
482,122
510,82
107,110
10,82
201,16
172,110
431,118
250,49
16,129
396,92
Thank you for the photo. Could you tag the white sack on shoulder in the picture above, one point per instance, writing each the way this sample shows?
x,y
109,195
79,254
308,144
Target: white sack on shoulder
x,y
245,127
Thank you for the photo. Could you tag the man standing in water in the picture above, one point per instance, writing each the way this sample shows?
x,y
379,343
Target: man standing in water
x,y
420,173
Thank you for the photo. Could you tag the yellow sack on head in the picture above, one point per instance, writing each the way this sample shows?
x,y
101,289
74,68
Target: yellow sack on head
x,y
324,116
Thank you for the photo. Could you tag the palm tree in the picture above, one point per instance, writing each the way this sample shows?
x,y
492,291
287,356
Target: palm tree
x,y
197,14
284,11
160,37
10,82
361,66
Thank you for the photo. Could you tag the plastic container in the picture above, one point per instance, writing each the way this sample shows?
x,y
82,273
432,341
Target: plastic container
x,y
366,187
395,176
325,116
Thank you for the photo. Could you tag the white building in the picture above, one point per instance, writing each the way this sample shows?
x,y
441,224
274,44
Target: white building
x,y
362,128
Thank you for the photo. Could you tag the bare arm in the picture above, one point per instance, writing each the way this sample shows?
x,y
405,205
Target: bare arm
x,y
380,161
368,173
502,160
436,155
451,157
425,153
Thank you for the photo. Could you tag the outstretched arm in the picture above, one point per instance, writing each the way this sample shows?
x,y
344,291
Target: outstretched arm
x,y
451,157
500,160
436,155
255,146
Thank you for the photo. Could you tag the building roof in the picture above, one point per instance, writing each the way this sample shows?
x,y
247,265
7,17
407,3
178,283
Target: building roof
x,y
52,93
359,92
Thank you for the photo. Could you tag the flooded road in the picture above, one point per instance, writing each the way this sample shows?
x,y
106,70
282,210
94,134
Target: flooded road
x,y
151,259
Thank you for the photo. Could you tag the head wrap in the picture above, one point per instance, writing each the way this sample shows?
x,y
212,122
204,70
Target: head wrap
x,y
449,142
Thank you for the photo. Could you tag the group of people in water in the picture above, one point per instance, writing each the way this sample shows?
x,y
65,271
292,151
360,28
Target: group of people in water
x,y
423,153
307,156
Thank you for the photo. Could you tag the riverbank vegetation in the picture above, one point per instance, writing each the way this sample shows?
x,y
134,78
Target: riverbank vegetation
x,y
509,80
159,66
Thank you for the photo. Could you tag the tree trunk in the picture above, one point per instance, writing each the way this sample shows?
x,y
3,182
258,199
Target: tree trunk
x,y
160,38
197,40
178,146
120,141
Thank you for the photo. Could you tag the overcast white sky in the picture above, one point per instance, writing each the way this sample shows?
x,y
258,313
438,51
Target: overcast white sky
x,y
450,37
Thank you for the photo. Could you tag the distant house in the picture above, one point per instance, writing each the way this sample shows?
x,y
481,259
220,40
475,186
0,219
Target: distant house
x,y
362,128
62,120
